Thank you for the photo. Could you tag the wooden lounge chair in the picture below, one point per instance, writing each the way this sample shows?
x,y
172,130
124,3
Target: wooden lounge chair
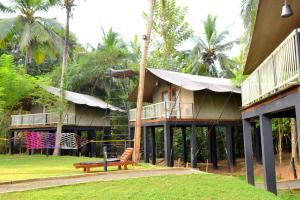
x,y
122,161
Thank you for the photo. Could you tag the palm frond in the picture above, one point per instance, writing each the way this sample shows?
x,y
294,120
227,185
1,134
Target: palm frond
x,y
26,37
6,26
221,37
210,28
45,5
226,46
6,9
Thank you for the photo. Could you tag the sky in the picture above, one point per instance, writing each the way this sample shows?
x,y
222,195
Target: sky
x,y
125,16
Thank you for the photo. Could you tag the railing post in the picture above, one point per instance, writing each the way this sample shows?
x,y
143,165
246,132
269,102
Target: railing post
x,y
259,85
179,107
274,71
165,109
297,50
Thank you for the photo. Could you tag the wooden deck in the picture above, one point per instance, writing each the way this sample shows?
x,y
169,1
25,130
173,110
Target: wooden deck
x,y
188,121
276,96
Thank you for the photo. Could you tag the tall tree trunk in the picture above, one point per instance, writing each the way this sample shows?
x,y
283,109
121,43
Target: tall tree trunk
x,y
294,139
26,62
138,122
61,107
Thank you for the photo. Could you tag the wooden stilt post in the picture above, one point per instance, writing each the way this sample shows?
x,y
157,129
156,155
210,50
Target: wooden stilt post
x,y
167,144
229,142
79,148
234,134
88,152
297,111
268,153
11,142
185,156
146,144
213,143
193,146
153,145
248,151
257,141
209,144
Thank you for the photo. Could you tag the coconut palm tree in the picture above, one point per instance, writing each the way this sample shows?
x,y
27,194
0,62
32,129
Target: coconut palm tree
x,y
68,5
138,123
36,36
211,50
248,14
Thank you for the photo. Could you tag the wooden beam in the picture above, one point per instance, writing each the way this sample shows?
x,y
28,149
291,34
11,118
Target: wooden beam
x,y
248,151
268,153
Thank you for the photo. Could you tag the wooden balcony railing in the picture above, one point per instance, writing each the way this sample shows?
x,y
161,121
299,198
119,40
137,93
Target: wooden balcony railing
x,y
278,71
167,109
41,119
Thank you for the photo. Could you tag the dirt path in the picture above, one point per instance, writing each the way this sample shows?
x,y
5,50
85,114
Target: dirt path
x,y
47,183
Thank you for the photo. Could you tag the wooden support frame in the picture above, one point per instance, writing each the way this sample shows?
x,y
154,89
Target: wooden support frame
x,y
268,153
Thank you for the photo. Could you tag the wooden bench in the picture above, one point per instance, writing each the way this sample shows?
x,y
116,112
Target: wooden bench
x,y
124,160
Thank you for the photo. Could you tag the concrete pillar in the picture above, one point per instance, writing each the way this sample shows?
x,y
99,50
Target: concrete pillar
x,y
268,153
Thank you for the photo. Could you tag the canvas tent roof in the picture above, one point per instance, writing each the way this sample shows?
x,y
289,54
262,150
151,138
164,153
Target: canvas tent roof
x,y
82,99
270,30
185,81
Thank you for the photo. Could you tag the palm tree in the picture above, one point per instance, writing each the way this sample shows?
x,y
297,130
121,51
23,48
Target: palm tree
x,y
138,123
67,4
36,36
111,40
248,14
211,50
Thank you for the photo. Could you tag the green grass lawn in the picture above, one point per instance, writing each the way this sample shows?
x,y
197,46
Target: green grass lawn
x,y
19,167
194,186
